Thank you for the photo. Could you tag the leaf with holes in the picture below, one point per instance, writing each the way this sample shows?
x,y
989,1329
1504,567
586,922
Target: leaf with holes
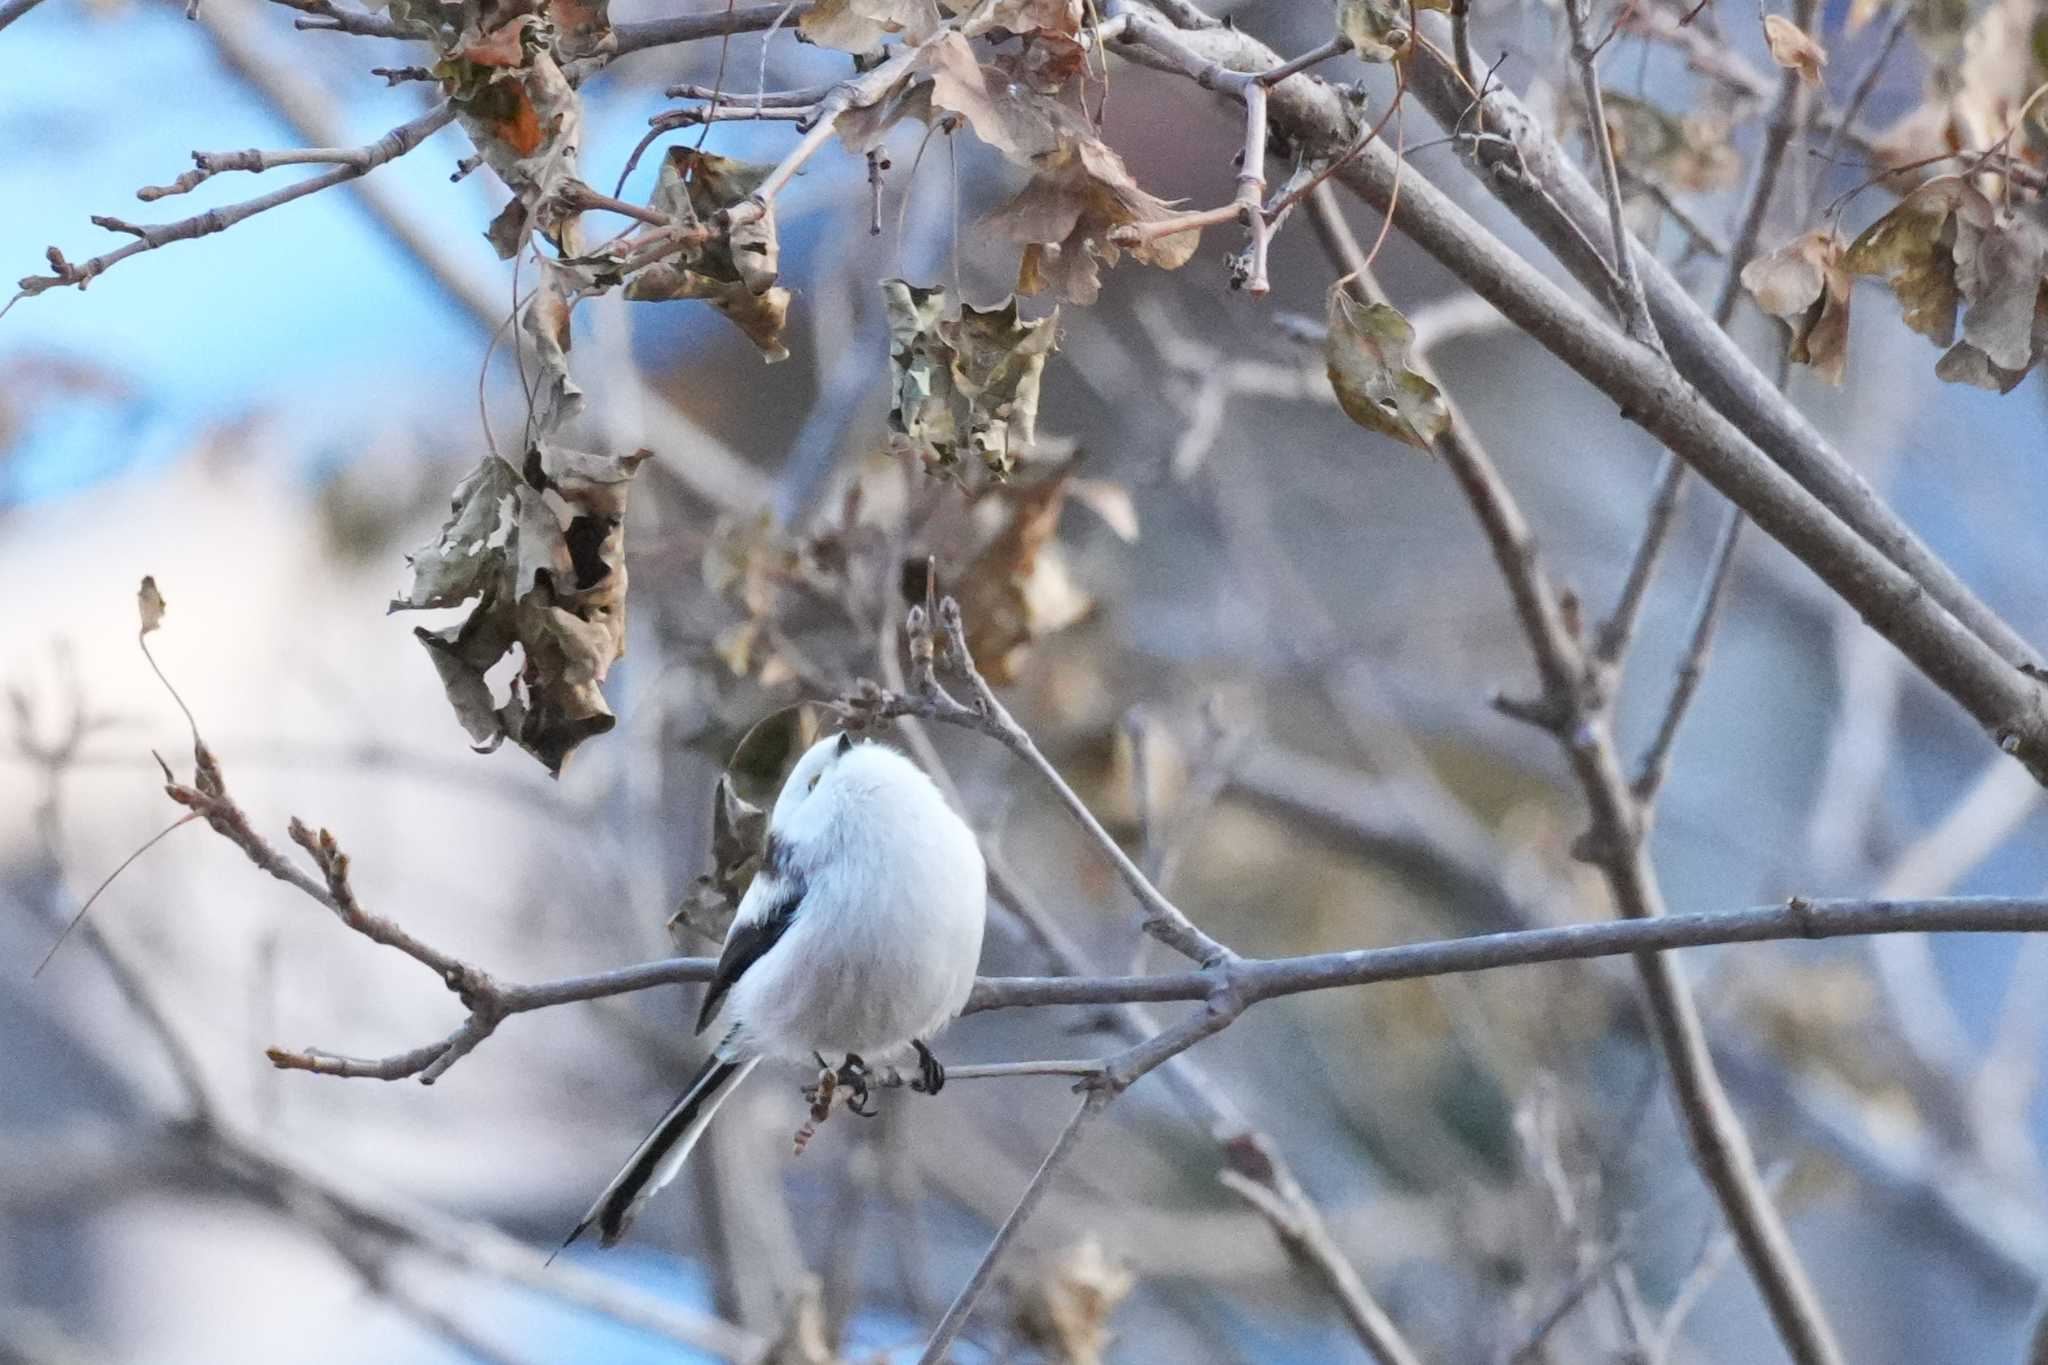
x,y
966,380
1366,350
542,553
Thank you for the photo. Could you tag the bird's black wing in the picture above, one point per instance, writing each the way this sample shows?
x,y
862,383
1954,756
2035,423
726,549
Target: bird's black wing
x,y
746,942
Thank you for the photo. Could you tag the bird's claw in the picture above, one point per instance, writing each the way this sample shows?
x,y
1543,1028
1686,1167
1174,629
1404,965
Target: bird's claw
x,y
931,1076
853,1074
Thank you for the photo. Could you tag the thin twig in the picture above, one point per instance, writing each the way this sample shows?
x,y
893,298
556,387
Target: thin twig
x,y
1692,664
392,145
943,1335
1279,1198
689,28
987,714
1630,303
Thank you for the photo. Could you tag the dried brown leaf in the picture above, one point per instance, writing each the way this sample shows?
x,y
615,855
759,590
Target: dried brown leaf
x,y
1018,589
149,604
1793,49
1689,152
1065,1308
543,555
735,273
1913,248
964,381
1804,283
1366,352
859,26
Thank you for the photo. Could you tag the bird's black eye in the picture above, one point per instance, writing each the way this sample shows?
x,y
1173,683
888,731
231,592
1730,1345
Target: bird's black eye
x,y
814,782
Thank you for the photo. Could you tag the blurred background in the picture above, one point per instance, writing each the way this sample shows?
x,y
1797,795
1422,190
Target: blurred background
x,y
1261,642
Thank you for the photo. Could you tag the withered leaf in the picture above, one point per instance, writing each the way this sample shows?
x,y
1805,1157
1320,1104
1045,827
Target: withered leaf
x,y
545,320
149,604
739,816
1913,248
1018,589
965,380
525,119
859,26
1037,17
736,273
1065,1307
1999,274
1064,216
583,28
1793,49
468,557
1804,283
1378,29
542,552
1366,351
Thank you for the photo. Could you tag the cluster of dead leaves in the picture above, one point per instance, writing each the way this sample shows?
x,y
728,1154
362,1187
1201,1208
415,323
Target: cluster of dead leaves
x,y
963,381
541,553
1080,190
734,270
1951,256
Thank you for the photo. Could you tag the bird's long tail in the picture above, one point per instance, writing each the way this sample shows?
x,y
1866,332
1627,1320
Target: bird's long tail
x,y
656,1161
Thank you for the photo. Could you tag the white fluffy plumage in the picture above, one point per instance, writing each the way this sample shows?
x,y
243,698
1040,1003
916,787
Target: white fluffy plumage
x,y
860,935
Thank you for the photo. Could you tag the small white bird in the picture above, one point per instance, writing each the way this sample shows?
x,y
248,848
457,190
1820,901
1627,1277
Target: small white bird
x,y
859,935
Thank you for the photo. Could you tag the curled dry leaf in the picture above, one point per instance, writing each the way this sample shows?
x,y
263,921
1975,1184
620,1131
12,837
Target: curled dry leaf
x,y
735,272
1079,191
747,561
1913,248
1946,245
149,604
542,553
1805,284
1792,49
2005,325
545,320
859,26
583,28
1064,1308
525,119
1018,588
1366,350
964,381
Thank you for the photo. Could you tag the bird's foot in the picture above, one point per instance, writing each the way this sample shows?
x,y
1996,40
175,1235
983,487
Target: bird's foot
x,y
931,1076
853,1074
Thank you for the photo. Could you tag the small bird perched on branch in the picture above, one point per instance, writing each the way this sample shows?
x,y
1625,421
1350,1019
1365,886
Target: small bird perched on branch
x,y
860,935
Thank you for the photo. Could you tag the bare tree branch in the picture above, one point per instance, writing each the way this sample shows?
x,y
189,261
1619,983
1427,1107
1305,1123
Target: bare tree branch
x,y
1573,706
361,161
